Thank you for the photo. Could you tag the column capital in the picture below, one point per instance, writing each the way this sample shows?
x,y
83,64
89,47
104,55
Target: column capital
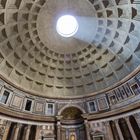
x,y
137,115
106,123
58,123
8,123
85,116
18,125
116,121
85,121
28,126
59,117
126,118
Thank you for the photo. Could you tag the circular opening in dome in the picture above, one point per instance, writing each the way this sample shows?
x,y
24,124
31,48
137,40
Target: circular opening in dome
x,y
67,26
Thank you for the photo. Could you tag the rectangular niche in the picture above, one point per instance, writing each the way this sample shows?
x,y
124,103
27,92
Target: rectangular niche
x,y
135,88
28,104
128,90
92,107
112,98
50,110
5,96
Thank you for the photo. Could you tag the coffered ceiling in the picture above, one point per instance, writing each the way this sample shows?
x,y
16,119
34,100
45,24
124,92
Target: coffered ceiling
x,y
34,57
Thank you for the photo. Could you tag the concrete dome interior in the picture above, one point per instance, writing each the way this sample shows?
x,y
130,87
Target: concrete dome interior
x,y
83,87
34,57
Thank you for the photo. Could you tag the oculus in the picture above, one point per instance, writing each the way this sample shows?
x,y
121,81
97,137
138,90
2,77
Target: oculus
x,y
67,26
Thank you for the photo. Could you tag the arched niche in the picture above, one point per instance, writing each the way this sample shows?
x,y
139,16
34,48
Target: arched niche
x,y
68,106
71,113
72,124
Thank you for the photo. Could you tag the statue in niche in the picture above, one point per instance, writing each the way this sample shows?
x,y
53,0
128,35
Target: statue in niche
x,y
72,137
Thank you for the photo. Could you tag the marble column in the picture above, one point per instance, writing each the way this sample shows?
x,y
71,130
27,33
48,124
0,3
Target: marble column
x,y
7,129
59,127
137,118
130,128
16,131
37,132
109,131
119,130
87,129
58,130
27,133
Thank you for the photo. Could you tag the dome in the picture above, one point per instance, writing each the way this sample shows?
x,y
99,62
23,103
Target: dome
x,y
58,84
35,58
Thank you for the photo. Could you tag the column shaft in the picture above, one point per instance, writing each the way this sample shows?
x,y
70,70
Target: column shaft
x,y
58,130
137,118
119,130
87,129
16,132
37,133
131,129
27,132
109,131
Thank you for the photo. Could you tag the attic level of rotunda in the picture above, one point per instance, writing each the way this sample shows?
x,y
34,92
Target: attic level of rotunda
x,y
63,84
